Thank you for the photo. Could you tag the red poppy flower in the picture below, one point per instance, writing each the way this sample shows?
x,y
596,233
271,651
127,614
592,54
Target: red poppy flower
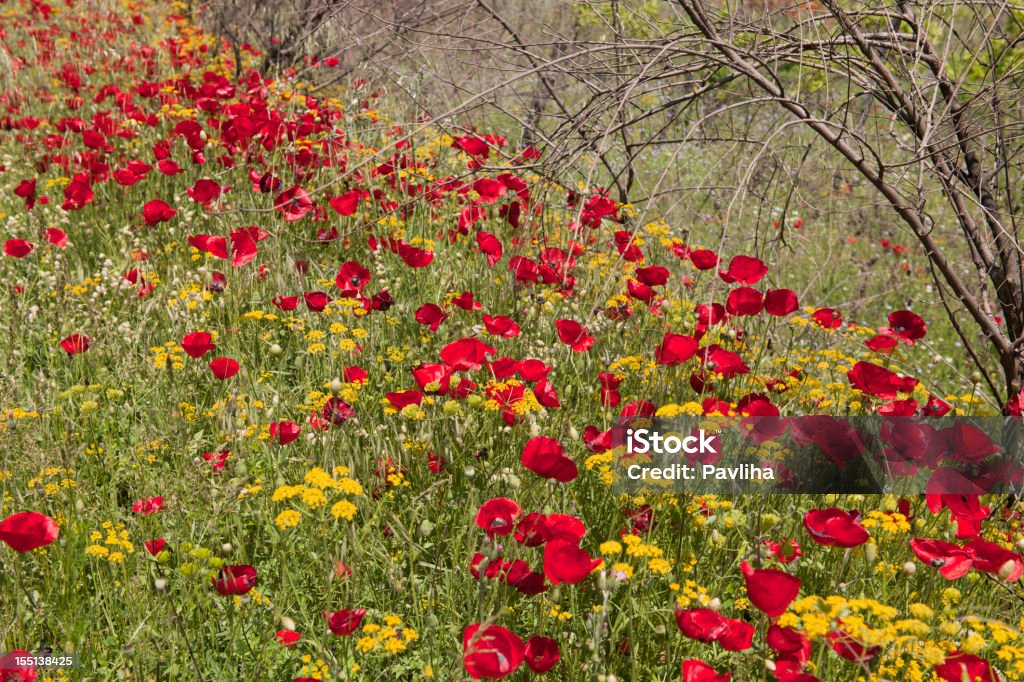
x,y
542,654
316,301
709,313
992,558
653,276
13,671
403,399
490,190
721,361
224,368
75,344
744,270
827,318
286,303
546,457
213,245
204,191
57,237
243,247
966,443
414,257
703,259
951,560
675,349
25,531
155,546
780,302
431,315
788,643
744,301
284,432
78,193
197,344
498,516
705,625
907,325
335,412
574,334
499,325
564,562
834,527
343,623
148,505
235,580
882,343
466,354
491,652
490,246
217,460
878,381
551,527
699,671
347,203
18,248
156,211
351,279
545,394
287,638
466,301
966,509
26,189
293,203
785,551
472,145
960,666
769,589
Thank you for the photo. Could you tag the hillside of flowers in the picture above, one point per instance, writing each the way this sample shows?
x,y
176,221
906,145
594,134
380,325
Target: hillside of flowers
x,y
293,390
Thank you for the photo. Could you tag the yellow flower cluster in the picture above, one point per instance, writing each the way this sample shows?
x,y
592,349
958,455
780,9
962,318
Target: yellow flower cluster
x,y
391,637
115,543
317,484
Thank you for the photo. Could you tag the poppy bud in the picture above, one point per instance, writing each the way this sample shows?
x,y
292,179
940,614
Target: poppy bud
x,y
336,385
870,552
1020,544
275,349
426,528
226,548
159,583
287,624
715,604
1007,569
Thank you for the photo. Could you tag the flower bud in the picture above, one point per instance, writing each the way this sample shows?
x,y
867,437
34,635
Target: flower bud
x,y
909,568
